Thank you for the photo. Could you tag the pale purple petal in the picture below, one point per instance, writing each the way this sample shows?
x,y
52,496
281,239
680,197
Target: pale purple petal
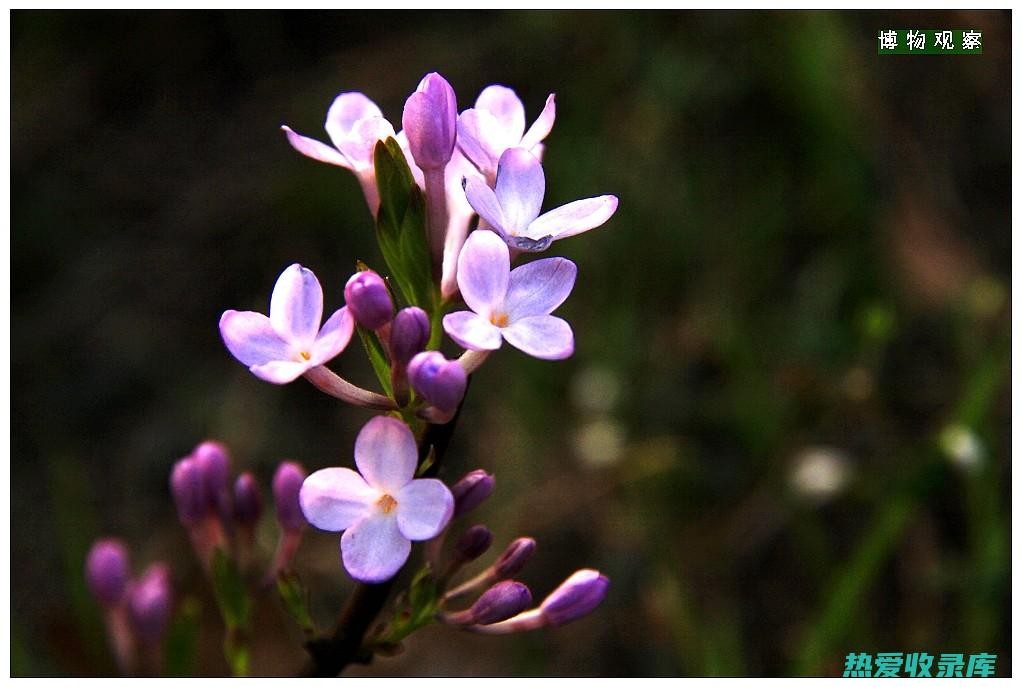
x,y
251,338
573,218
506,108
539,287
373,549
333,337
386,454
296,305
541,128
430,120
484,201
346,110
520,189
334,499
420,178
424,507
459,218
543,336
360,145
483,271
280,371
470,141
317,151
472,331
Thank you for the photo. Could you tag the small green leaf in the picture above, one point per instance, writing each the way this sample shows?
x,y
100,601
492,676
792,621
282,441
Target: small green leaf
x,y
231,596
415,611
377,357
183,638
427,463
295,598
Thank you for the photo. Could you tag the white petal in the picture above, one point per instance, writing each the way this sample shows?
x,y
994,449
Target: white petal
x,y
334,499
373,549
296,306
386,454
424,507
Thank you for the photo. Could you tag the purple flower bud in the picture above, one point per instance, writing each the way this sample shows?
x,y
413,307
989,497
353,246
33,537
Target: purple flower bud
x,y
213,460
474,543
471,490
248,504
500,602
409,334
368,299
189,489
439,381
287,482
430,121
107,570
514,558
149,603
577,596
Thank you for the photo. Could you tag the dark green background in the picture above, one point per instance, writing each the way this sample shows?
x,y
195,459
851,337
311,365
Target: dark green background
x,y
811,250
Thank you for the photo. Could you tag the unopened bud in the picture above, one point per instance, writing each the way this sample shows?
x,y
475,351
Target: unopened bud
x,y
189,490
500,602
577,596
438,380
368,298
474,543
248,504
409,334
213,460
107,569
514,558
287,482
430,121
471,490
149,603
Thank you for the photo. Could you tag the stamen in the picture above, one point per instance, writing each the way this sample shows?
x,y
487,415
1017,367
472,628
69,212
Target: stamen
x,y
387,503
499,320
304,355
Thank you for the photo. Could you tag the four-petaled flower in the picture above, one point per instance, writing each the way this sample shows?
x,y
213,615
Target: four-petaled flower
x,y
383,509
511,305
512,207
282,347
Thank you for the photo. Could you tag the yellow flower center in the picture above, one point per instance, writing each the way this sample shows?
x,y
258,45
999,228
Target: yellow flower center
x,y
386,503
499,319
304,355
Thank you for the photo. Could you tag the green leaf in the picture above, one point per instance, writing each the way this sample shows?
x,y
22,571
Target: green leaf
x,y
401,227
377,357
295,598
415,612
183,638
231,596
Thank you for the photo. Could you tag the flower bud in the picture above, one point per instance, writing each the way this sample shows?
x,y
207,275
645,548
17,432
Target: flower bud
x,y
213,461
430,121
287,482
500,602
409,334
438,380
149,603
107,570
189,490
248,504
514,558
471,490
577,596
474,543
368,299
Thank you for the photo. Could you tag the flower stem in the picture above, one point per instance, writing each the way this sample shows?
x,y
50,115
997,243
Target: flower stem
x,y
324,379
436,213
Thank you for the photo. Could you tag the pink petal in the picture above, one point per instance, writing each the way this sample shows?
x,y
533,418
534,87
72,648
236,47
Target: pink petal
x,y
360,145
424,507
280,371
472,331
317,151
506,108
541,128
333,337
539,287
334,499
520,188
471,142
386,454
251,338
345,111
484,267
459,217
373,549
484,201
296,305
573,218
543,336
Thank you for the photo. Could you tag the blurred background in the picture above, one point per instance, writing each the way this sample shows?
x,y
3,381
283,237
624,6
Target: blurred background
x,y
784,434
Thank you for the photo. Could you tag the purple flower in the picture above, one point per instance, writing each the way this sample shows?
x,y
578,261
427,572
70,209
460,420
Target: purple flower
x,y
500,602
188,486
438,380
577,596
354,124
409,334
107,570
149,603
511,305
287,483
512,206
368,299
383,509
496,123
471,490
248,504
282,347
430,120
